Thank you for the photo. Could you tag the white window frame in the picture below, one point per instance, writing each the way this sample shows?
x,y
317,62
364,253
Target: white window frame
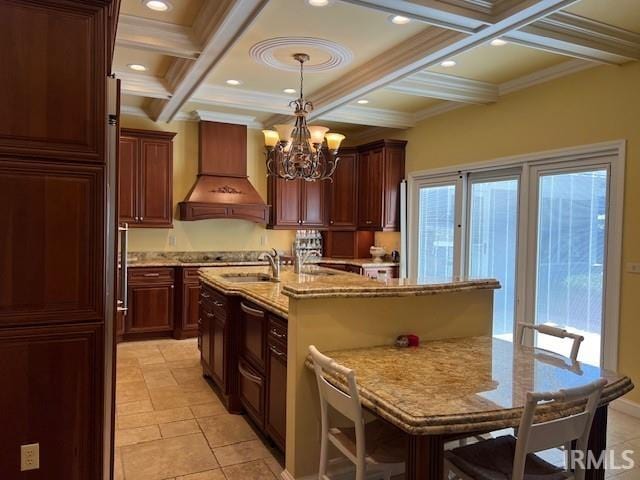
x,y
612,154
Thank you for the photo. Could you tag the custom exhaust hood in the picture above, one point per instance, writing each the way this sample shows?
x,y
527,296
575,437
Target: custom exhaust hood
x,y
222,189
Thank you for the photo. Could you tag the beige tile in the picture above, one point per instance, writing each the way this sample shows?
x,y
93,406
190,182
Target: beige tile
x,y
256,470
208,475
168,397
186,363
166,458
187,375
128,374
208,409
179,351
183,427
131,392
130,408
131,436
127,362
226,429
240,453
154,418
151,359
160,378
118,473
274,465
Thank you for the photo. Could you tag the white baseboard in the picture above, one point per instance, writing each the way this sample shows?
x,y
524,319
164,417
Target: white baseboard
x,y
339,469
626,406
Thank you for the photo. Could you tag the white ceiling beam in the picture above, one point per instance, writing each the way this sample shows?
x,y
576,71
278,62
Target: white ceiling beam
x,y
418,53
240,98
155,36
446,87
140,85
219,24
212,116
374,117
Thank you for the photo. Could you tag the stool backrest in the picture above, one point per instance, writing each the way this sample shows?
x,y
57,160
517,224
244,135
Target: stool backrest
x,y
554,332
535,437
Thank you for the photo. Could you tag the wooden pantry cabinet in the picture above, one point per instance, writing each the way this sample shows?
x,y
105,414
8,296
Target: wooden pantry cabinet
x,y
145,169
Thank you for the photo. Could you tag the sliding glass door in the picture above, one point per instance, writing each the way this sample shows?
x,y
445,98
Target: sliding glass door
x,y
571,236
492,243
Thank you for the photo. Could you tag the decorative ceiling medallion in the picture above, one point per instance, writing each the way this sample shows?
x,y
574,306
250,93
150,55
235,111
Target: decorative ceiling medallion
x,y
276,52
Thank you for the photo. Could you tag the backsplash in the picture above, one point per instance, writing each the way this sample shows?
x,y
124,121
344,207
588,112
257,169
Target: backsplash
x,y
195,256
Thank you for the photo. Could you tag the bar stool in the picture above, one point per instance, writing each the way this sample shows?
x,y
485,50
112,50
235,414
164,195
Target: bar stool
x,y
509,458
554,332
377,448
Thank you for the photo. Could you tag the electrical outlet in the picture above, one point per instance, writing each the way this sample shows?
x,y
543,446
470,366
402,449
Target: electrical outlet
x,y
633,267
264,240
172,240
29,457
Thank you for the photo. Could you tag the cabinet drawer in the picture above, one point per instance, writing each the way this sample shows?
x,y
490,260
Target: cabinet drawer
x,y
190,274
253,338
278,329
216,301
251,389
151,275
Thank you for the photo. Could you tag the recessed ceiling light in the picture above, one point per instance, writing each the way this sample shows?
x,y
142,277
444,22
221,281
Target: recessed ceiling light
x,y
318,3
498,42
448,63
399,19
363,101
234,82
137,67
289,91
157,5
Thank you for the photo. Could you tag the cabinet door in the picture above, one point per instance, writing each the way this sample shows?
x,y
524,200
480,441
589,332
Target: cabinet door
x,y
370,198
150,308
253,342
344,194
218,367
156,180
276,404
190,311
285,199
128,180
314,204
251,391
204,333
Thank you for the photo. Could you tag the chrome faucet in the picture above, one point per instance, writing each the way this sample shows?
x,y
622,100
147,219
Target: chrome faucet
x,y
274,261
300,260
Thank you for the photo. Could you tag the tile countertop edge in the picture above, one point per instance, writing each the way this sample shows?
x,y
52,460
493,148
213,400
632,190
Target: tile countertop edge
x,y
241,290
388,290
468,423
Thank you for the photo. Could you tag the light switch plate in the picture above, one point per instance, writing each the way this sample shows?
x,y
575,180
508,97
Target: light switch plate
x,y
633,267
29,457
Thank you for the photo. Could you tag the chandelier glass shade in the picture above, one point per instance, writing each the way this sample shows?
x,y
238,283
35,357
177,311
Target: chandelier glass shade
x,y
298,151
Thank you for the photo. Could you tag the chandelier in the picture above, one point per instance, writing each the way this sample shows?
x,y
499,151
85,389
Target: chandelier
x,y
296,151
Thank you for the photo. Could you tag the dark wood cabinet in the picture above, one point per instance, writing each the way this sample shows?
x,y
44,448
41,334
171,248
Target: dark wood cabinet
x,y
187,310
251,391
145,190
253,334
343,192
348,243
297,204
151,301
276,391
380,171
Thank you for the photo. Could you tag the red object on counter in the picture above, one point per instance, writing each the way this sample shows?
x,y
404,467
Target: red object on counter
x,y
414,340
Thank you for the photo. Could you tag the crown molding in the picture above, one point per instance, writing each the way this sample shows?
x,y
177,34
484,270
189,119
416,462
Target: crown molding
x,y
140,112
141,85
375,117
541,76
155,36
218,25
223,117
446,87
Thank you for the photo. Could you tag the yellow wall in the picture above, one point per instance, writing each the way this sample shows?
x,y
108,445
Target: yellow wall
x,y
209,235
596,105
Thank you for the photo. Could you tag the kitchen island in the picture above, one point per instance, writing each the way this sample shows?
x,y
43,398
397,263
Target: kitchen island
x,y
332,310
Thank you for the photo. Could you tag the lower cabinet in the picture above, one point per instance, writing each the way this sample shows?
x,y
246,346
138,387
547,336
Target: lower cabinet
x,y
276,394
187,304
151,301
214,337
251,391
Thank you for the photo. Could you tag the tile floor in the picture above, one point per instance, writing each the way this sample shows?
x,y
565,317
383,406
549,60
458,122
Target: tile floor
x,y
171,426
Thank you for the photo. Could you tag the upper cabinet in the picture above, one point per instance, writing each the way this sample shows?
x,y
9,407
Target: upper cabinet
x,y
343,192
380,171
297,204
145,191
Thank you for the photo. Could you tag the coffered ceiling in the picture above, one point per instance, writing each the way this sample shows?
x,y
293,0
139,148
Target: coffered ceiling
x,y
365,71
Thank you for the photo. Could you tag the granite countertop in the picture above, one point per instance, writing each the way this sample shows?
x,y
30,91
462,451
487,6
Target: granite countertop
x,y
319,282
431,389
229,259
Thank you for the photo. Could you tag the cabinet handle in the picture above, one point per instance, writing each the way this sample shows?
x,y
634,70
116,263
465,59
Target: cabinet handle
x,y
249,376
209,314
151,275
275,333
369,222
218,304
204,295
276,351
251,311
141,219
